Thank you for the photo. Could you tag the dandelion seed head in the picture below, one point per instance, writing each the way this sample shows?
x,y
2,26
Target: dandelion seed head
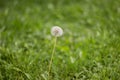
x,y
56,31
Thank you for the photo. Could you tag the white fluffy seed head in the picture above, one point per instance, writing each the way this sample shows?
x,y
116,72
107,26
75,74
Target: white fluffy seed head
x,y
56,31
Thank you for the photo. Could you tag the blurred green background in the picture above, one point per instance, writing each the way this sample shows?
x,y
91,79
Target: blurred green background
x,y
88,50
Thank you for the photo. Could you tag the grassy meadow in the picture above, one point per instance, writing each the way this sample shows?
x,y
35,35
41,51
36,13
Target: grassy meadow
x,y
88,50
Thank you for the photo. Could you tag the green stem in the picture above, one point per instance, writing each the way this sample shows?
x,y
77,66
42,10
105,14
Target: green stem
x,y
53,52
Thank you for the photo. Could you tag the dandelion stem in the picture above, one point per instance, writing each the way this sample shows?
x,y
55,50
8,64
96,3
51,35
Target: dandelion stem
x,y
53,52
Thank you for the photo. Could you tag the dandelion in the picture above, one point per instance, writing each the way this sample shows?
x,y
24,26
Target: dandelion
x,y
56,31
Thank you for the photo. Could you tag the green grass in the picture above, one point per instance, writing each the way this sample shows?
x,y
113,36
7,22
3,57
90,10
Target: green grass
x,y
88,50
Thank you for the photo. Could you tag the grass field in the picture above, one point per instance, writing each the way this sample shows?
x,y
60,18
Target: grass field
x,y
88,50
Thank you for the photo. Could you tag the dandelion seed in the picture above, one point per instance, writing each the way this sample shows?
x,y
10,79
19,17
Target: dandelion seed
x,y
56,31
